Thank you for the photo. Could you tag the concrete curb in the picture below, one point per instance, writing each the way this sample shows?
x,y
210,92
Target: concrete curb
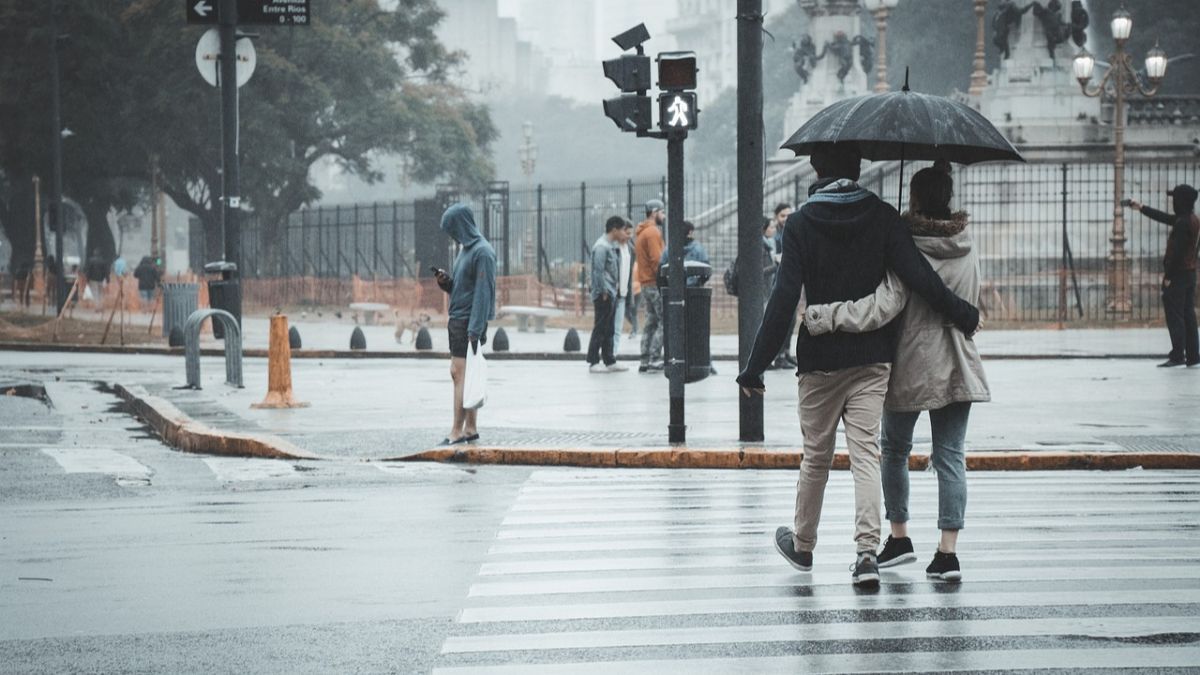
x,y
689,458
182,432
494,356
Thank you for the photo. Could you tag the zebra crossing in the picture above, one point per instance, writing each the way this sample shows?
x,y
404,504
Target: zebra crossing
x,y
673,572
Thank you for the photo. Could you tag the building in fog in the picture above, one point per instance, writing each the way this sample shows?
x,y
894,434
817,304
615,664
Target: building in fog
x,y
498,62
709,28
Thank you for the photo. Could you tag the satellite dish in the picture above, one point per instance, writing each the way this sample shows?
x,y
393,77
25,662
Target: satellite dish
x,y
208,58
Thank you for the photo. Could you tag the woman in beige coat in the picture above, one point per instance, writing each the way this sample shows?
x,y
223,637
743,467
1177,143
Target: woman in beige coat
x,y
937,368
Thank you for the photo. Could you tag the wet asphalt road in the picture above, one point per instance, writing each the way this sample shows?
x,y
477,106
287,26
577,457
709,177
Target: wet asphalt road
x,y
118,554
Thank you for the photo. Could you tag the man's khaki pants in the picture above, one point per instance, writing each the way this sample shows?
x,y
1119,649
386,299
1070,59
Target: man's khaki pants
x,y
855,396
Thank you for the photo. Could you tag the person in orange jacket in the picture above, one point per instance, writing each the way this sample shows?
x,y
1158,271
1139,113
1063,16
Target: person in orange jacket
x,y
648,250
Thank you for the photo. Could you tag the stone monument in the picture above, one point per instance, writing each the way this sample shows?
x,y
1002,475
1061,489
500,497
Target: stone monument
x,y
832,60
1033,96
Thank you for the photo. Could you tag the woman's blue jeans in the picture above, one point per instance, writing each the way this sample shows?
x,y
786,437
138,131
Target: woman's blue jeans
x,y
949,459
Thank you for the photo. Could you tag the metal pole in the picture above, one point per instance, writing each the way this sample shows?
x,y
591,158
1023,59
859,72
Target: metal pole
x,y
56,187
750,196
538,253
677,364
1119,301
230,179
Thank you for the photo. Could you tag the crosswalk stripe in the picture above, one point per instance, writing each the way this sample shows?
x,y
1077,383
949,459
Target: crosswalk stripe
x,y
127,470
1090,627
234,469
898,662
829,575
612,610
765,557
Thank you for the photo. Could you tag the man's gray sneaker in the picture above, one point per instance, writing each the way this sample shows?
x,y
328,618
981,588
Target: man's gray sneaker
x,y
865,571
896,551
786,545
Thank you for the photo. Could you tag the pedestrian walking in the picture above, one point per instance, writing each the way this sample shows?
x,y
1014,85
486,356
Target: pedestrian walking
x,y
606,273
785,358
838,247
148,278
936,369
1179,274
624,284
649,249
472,289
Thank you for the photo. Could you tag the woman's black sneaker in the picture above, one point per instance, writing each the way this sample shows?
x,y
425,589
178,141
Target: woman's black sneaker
x,y
896,551
865,571
944,567
786,545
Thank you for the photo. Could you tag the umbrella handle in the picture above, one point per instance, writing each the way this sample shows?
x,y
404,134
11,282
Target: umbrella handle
x,y
900,198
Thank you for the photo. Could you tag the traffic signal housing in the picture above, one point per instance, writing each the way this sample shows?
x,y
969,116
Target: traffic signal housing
x,y
677,71
631,110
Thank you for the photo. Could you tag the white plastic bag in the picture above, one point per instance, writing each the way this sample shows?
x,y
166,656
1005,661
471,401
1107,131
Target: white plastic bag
x,y
475,380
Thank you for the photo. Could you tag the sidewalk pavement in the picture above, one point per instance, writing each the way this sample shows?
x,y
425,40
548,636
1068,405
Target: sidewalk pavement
x,y
1046,413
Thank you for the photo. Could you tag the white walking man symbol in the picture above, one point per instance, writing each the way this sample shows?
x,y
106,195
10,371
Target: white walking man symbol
x,y
678,110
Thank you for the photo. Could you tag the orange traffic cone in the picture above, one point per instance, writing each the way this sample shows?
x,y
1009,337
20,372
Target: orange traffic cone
x,y
279,368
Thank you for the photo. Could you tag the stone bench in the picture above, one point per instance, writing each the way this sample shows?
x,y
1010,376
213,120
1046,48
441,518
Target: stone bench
x,y
369,310
523,314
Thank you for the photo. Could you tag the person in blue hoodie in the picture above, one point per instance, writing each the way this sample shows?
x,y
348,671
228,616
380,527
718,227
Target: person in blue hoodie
x,y
472,288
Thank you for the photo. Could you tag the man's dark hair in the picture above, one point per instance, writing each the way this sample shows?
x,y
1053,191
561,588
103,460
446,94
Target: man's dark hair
x,y
767,222
688,227
781,206
837,160
614,223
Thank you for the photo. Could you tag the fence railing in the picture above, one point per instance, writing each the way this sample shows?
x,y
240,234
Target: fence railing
x,y
1042,232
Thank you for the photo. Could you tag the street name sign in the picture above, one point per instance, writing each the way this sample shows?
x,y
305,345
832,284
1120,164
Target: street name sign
x,y
258,12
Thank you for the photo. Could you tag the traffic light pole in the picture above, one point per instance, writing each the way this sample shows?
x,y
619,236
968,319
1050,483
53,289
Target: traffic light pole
x,y
230,178
677,280
750,200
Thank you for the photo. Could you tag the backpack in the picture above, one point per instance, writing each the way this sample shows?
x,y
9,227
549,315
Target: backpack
x,y
731,279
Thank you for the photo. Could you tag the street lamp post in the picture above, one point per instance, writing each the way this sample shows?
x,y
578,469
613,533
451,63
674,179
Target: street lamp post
x,y
979,75
880,9
1120,81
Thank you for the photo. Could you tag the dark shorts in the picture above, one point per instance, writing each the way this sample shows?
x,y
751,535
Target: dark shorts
x,y
458,337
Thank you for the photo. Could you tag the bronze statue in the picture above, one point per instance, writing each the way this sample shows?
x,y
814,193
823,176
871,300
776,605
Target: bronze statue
x,y
1079,23
1054,27
843,50
1006,18
866,51
804,57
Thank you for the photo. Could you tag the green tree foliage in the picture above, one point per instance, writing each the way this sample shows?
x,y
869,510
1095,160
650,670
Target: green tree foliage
x,y
360,82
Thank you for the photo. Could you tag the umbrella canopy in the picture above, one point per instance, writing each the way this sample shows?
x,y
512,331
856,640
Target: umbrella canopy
x,y
906,125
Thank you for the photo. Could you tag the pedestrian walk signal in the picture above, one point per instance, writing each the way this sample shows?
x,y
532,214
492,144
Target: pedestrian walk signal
x,y
677,111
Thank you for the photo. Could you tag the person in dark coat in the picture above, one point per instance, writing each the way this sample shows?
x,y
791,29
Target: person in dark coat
x,y
1179,274
148,277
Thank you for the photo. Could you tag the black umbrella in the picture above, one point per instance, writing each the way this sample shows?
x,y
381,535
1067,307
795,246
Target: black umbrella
x,y
906,125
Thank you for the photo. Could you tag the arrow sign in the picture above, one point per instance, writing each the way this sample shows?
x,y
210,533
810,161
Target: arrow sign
x,y
258,12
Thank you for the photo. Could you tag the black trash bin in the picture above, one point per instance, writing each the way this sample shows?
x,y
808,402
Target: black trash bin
x,y
697,321
224,292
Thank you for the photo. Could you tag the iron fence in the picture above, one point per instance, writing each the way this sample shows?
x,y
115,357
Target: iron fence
x,y
1043,232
